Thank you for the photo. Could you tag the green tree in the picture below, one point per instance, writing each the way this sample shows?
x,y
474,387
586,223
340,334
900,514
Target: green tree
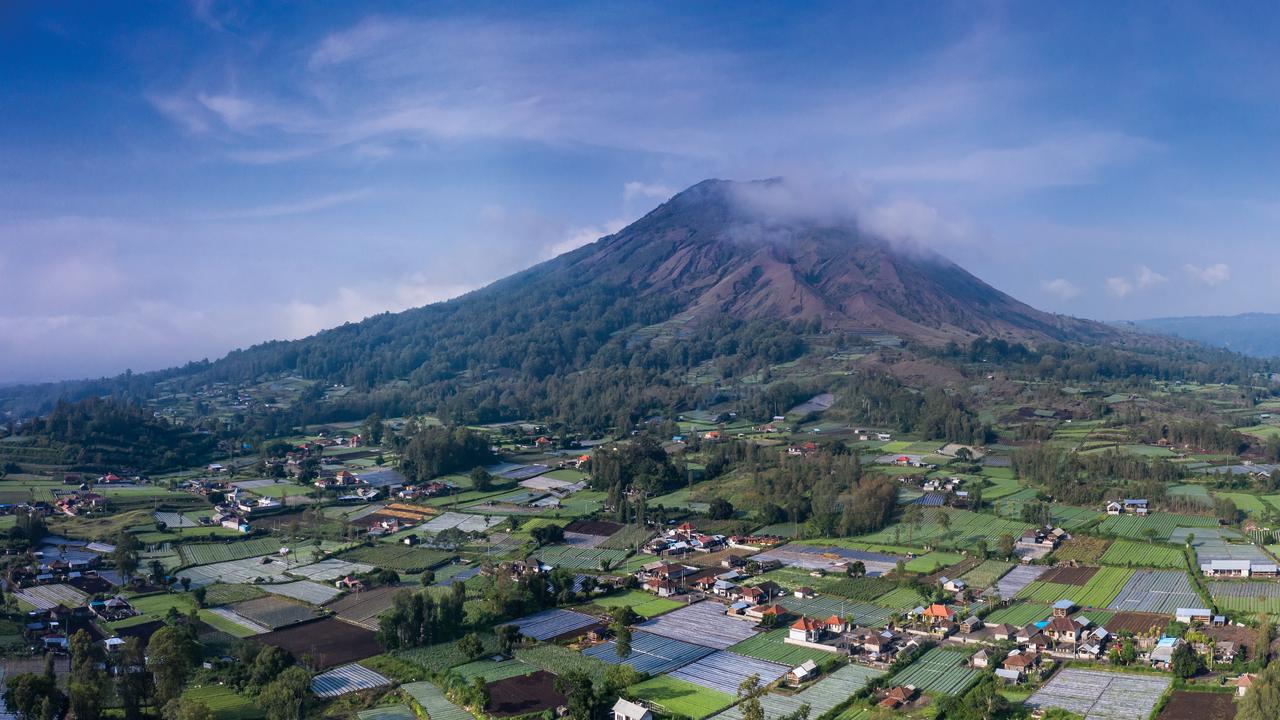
x,y
172,654
508,637
580,699
481,480
133,680
126,554
185,709
750,690
32,696
470,647
1004,546
286,697
87,683
622,640
1186,662
720,509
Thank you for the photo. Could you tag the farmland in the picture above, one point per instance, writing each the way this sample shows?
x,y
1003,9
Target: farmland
x,y
209,553
401,558
938,671
1132,553
987,573
965,530
1255,596
770,646
1082,549
1101,695
581,558
643,603
1156,591
1136,527
1019,614
1099,591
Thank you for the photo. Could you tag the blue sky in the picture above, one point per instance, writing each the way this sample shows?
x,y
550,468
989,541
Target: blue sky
x,y
179,179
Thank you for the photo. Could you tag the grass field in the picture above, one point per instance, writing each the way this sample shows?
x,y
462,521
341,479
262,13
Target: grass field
x,y
1251,504
931,562
642,602
1132,553
681,698
1098,592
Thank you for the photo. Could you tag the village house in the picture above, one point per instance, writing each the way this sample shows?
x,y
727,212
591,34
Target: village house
x,y
980,659
897,697
1193,615
803,672
807,630
626,710
1020,662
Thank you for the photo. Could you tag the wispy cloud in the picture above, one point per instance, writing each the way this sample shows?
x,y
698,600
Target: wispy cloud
x,y
1118,287
1062,289
298,207
1212,275
1148,278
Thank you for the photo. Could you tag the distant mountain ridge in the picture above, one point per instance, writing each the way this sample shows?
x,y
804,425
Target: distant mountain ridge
x,y
1256,334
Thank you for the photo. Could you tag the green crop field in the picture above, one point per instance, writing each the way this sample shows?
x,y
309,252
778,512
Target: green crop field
x,y
1132,553
678,697
222,593
207,553
986,574
1101,589
628,538
900,599
1163,524
1255,596
939,671
966,529
559,660
1081,549
643,603
580,558
770,646
1018,614
863,588
401,558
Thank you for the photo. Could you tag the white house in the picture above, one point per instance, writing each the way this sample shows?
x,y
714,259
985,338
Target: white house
x,y
627,710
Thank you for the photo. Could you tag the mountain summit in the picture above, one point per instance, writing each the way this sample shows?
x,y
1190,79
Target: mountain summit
x,y
716,251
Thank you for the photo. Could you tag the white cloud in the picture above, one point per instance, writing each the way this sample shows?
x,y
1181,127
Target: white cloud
x,y
1148,278
1062,288
1118,287
1212,275
299,207
1054,162
636,190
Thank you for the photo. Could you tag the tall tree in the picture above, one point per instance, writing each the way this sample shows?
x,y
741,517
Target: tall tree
x,y
172,654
